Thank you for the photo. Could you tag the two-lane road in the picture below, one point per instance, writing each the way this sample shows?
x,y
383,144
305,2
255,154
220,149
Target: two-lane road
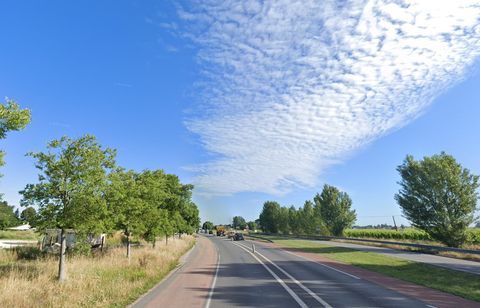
x,y
275,278
223,273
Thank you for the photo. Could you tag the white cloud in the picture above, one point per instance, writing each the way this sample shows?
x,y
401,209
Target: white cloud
x,y
294,86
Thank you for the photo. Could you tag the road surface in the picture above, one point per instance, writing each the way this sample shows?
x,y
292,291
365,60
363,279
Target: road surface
x,y
471,267
224,273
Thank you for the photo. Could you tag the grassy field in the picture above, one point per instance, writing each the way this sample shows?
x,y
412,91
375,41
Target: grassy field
x,y
458,283
18,235
100,281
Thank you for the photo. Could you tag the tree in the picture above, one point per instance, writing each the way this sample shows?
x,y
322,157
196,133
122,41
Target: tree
x,y
7,216
269,217
335,209
129,211
208,225
293,220
283,221
438,196
12,118
306,217
252,226
71,188
239,223
29,215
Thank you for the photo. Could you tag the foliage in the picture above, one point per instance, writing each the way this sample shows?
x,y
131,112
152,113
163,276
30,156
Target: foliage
x,y
208,225
12,118
71,185
439,196
7,216
29,215
335,211
71,188
239,223
28,253
252,226
269,217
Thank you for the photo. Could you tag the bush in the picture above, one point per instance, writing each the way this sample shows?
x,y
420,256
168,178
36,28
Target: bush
x,y
28,253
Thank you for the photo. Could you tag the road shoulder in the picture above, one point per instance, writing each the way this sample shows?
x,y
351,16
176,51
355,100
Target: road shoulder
x,y
184,286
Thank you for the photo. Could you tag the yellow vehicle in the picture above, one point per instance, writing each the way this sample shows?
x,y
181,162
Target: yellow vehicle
x,y
220,230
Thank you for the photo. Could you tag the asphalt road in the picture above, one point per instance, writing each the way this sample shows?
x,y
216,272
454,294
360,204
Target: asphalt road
x,y
276,278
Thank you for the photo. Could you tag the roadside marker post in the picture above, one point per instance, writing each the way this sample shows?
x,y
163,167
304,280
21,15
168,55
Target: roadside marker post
x,y
253,248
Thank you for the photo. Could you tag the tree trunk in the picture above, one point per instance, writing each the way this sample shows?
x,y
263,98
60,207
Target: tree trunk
x,y
154,243
166,239
62,275
128,247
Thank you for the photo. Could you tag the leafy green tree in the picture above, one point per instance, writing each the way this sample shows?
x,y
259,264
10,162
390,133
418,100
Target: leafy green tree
x,y
152,190
293,220
269,217
29,215
71,188
208,225
438,196
252,226
239,222
335,209
306,218
129,211
7,216
12,118
283,221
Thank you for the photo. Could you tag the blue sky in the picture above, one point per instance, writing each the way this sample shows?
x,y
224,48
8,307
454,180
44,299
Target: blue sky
x,y
249,101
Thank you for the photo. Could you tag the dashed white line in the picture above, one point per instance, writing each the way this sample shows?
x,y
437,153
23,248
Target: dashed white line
x,y
310,292
278,279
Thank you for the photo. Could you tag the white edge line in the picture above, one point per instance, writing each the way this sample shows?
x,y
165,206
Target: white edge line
x,y
278,279
212,287
310,292
318,262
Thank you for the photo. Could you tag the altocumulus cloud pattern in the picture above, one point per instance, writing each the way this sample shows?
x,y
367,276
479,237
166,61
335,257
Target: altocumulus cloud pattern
x,y
291,87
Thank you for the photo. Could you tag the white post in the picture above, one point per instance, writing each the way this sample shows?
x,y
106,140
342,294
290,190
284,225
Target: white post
x,y
253,248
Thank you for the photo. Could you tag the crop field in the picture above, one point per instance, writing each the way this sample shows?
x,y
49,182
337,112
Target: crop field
x,y
107,280
410,234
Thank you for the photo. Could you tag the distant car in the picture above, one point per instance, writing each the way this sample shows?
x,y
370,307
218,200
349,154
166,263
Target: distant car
x,y
238,237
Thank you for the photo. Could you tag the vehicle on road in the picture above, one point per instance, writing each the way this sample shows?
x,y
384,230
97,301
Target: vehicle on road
x,y
238,237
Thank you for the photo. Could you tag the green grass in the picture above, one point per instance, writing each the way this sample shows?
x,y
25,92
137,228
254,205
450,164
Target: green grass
x,y
18,235
453,282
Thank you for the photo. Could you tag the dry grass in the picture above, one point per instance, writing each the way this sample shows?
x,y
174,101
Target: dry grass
x,y
107,280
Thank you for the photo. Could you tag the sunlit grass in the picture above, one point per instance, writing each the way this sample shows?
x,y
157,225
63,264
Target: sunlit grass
x,y
99,281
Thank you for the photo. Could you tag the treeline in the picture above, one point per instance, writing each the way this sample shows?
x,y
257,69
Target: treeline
x,y
330,213
82,189
437,195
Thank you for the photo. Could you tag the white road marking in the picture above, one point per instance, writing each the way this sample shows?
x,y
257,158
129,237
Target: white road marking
x,y
212,288
278,279
332,268
312,294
